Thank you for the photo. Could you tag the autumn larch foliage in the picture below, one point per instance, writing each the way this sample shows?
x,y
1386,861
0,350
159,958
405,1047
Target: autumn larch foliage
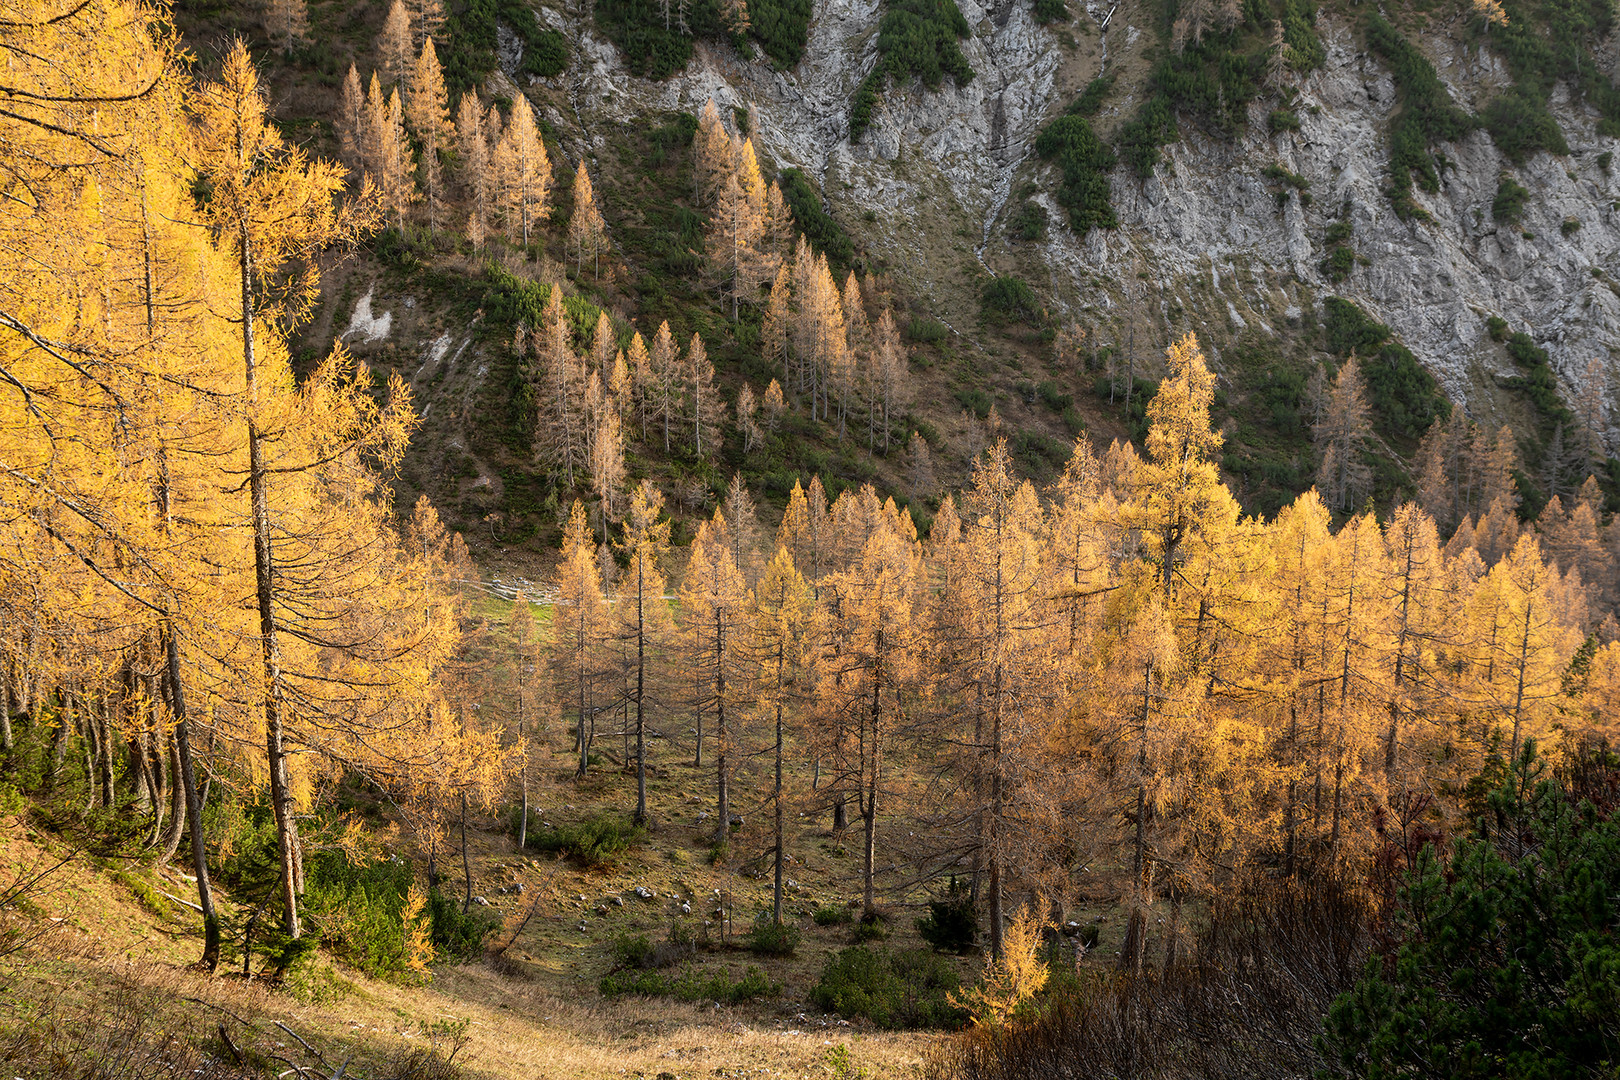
x,y
184,437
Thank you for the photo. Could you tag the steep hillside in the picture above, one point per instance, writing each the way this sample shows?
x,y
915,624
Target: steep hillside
x,y
1231,194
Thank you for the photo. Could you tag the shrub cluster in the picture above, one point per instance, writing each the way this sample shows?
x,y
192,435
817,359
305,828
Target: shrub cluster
x,y
1508,206
1091,99
1404,397
658,50
1010,299
1029,224
471,36
818,226
916,38
832,915
1537,382
1427,115
769,939
1505,962
1212,81
894,990
596,840
1085,161
952,924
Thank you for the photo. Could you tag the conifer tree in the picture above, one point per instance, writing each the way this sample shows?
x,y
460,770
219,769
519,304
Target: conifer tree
x,y
587,232
773,406
664,361
712,162
271,206
775,327
1519,648
430,122
645,542
351,119
397,177
715,602
1343,431
748,419
579,630
1416,590
526,181
705,408
888,366
427,20
782,617
643,385
992,628
374,130
475,163
607,463
394,49
920,468
287,23
561,435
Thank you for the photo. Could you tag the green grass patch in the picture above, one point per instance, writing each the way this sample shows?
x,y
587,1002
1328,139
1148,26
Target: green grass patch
x,y
693,984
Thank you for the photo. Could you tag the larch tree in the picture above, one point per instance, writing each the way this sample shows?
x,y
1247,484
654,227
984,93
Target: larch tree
x,y
642,382
1519,647
782,619
270,207
863,681
429,116
665,391
607,464
775,327
748,419
587,232
991,631
704,406
579,630
398,176
645,543
773,406
715,603
888,374
427,20
1180,509
475,163
351,121
561,434
712,162
287,23
1343,435
525,177
394,48
1415,589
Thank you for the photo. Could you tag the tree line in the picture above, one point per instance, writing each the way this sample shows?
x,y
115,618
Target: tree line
x,y
1122,663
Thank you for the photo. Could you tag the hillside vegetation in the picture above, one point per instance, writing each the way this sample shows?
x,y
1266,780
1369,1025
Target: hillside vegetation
x,y
821,703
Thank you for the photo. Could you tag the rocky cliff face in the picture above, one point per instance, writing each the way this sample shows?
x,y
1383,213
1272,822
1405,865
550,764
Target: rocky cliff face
x,y
1205,241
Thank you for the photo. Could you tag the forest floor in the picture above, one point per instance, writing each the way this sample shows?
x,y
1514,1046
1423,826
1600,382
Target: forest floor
x,y
104,963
